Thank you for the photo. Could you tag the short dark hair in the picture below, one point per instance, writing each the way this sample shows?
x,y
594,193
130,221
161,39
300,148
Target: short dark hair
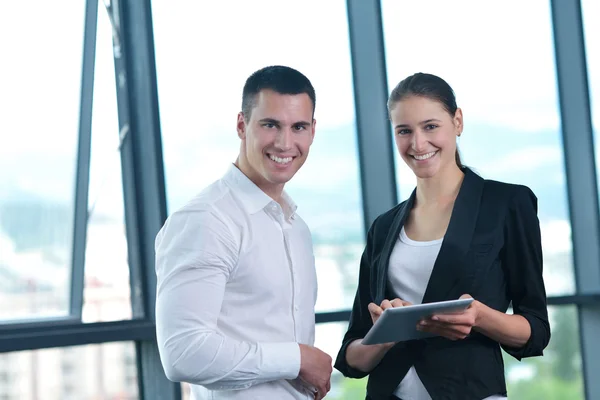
x,y
430,86
278,78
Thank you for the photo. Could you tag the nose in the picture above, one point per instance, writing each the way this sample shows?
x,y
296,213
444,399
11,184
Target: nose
x,y
284,139
419,141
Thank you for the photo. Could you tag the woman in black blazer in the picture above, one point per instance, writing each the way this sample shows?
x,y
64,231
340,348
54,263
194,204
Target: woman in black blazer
x,y
457,236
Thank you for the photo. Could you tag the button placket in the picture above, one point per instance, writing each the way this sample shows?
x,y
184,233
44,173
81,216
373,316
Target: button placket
x,y
294,279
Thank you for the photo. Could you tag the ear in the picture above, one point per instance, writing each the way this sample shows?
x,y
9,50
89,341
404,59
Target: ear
x,y
241,126
458,121
312,129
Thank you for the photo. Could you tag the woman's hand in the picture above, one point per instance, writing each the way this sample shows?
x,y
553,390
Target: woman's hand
x,y
376,310
455,326
365,357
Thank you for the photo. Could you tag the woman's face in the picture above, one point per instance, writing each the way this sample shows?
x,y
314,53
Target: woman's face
x,y
425,134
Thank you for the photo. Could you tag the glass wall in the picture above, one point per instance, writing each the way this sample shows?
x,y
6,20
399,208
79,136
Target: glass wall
x,y
501,64
93,372
38,155
200,93
505,83
106,284
590,11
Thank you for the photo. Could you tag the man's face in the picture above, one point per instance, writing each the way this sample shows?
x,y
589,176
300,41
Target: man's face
x,y
276,138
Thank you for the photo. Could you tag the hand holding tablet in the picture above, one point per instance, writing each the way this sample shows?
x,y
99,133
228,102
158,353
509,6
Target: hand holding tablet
x,y
398,321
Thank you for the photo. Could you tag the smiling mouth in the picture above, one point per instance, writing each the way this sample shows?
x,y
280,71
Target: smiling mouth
x,y
423,157
280,160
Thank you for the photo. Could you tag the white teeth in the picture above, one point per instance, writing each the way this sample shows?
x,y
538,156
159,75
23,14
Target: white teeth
x,y
280,160
425,156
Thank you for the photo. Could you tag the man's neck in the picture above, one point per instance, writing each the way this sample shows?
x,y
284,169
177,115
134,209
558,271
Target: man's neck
x,y
273,191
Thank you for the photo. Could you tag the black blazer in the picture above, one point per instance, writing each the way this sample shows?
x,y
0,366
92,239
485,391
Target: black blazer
x,y
492,251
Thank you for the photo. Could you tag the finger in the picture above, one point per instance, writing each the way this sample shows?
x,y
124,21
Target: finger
x,y
397,303
322,391
386,304
455,319
449,331
374,309
406,303
440,331
466,296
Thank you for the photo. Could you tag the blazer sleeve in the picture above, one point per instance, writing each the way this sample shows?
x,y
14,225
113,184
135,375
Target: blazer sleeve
x,y
523,263
360,318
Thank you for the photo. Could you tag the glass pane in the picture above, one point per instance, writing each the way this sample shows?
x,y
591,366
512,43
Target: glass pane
x,y
329,338
198,113
505,83
93,372
106,293
556,375
39,99
590,10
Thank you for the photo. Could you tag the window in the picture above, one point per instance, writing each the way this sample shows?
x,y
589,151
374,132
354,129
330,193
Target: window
x,y
106,286
84,373
557,375
198,113
329,339
504,80
505,83
590,11
40,96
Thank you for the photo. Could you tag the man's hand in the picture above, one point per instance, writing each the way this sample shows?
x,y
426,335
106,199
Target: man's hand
x,y
454,326
315,369
376,310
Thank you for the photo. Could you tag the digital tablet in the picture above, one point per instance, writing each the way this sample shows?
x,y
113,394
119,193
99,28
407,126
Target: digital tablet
x,y
400,323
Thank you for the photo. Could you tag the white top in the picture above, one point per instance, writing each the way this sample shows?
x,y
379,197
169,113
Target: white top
x,y
411,264
236,290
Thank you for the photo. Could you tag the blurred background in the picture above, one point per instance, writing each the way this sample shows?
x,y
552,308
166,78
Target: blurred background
x,y
114,113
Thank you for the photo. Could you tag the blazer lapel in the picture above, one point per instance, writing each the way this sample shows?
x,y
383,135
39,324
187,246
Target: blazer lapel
x,y
384,260
449,266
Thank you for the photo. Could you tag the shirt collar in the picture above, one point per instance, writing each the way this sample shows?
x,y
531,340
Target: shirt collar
x,y
253,198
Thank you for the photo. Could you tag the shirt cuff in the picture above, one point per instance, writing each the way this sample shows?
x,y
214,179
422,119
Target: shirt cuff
x,y
281,360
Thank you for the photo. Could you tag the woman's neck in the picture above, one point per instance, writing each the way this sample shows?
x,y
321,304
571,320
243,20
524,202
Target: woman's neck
x,y
439,189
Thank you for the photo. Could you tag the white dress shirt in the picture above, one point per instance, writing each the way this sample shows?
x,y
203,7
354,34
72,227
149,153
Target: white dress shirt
x,y
236,290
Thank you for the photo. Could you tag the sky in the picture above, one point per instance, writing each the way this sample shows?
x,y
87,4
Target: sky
x,y
498,57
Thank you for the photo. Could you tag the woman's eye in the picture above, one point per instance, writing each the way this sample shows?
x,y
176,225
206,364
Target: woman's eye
x,y
403,131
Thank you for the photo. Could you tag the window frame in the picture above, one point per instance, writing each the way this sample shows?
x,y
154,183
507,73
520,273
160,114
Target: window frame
x,y
145,196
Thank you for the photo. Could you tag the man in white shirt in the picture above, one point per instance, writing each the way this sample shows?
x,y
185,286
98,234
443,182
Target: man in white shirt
x,y
236,279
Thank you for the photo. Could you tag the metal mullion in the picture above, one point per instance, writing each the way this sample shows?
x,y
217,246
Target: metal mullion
x,y
375,146
143,175
82,179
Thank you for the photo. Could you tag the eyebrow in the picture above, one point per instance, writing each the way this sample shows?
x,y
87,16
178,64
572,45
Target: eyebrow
x,y
276,122
421,123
